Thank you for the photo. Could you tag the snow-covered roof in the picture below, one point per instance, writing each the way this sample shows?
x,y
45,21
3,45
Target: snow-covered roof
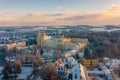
x,y
106,71
2,45
1,68
96,78
96,71
26,71
71,60
81,54
53,44
72,52
39,78
48,55
12,59
69,45
76,72
113,62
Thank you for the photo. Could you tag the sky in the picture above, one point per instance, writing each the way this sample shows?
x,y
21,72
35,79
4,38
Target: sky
x,y
59,12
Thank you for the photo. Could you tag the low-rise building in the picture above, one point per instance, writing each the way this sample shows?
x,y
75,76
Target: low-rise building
x,y
14,45
90,62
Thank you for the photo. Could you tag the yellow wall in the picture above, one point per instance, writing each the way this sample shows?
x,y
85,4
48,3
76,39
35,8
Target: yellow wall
x,y
79,40
67,39
76,40
13,45
89,62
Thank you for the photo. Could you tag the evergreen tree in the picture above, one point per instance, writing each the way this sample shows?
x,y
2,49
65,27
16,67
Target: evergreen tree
x,y
87,52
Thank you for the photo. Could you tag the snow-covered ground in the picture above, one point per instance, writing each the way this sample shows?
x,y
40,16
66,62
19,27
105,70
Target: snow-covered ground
x,y
103,29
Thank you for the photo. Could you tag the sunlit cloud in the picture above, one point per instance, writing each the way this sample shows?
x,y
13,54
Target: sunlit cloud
x,y
58,7
114,8
110,15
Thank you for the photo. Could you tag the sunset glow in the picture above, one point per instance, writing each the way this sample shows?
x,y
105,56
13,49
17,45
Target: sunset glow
x,y
59,13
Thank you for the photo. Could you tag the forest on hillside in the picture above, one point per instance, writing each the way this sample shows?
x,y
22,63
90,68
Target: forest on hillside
x,y
102,44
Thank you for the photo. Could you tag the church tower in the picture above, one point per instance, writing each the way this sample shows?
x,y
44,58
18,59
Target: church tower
x,y
41,37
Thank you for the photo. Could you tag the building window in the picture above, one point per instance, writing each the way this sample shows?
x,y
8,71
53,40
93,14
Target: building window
x,y
75,75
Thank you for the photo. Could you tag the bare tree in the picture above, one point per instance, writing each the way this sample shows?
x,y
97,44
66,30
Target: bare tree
x,y
47,48
48,71
57,54
37,61
60,47
18,66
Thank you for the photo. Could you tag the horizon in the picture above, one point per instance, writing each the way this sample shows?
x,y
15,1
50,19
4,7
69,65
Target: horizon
x,y
59,12
97,26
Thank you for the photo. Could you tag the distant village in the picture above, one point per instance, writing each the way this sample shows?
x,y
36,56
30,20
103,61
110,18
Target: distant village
x,y
53,57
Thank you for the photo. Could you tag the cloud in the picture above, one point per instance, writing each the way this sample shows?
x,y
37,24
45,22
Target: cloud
x,y
114,8
58,7
110,15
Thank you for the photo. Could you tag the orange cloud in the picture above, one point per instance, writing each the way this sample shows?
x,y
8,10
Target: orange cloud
x,y
110,15
114,8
